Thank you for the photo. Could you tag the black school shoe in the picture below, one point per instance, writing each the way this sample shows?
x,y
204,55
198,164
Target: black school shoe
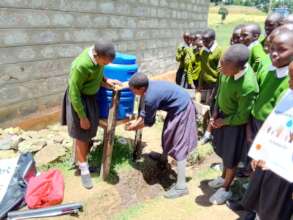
x,y
251,216
234,205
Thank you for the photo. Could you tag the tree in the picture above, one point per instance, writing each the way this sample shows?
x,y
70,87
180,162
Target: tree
x,y
223,12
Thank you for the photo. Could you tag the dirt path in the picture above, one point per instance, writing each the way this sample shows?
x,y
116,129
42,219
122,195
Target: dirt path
x,y
137,193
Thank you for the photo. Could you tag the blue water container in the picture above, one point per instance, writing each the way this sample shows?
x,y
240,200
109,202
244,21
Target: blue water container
x,y
122,68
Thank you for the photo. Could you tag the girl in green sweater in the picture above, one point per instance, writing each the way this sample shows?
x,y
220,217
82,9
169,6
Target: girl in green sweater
x,y
80,111
268,194
236,94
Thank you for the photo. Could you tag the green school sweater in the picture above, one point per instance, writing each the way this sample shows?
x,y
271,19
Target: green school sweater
x,y
180,56
209,66
257,57
192,65
271,90
235,98
85,78
262,40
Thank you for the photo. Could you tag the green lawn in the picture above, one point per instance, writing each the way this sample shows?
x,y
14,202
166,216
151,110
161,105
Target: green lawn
x,y
237,15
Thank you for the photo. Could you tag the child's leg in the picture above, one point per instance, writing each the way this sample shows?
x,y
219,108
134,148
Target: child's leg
x,y
180,188
181,174
229,177
82,149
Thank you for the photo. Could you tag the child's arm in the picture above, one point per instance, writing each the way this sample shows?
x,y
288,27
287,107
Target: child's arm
x,y
190,60
180,53
135,125
74,92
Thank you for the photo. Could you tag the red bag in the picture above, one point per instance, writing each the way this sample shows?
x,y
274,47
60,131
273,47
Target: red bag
x,y
45,190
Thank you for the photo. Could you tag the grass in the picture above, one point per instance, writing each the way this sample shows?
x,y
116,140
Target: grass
x,y
237,15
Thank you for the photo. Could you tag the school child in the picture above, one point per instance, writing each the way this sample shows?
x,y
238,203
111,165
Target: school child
x,y
272,21
268,194
236,35
179,132
180,57
236,94
80,110
235,39
249,37
193,67
209,60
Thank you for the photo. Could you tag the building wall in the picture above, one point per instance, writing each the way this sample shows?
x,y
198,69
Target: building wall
x,y
40,38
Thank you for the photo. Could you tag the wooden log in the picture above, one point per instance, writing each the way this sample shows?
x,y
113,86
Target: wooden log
x,y
109,133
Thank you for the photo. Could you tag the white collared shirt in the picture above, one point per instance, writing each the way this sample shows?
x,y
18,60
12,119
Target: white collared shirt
x,y
91,54
241,73
213,47
280,72
252,44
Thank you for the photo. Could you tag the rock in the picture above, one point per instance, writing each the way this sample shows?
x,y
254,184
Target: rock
x,y
67,144
58,139
9,141
4,154
50,153
31,145
13,131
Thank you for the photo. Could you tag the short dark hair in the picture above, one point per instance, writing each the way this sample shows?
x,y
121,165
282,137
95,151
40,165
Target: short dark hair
x,y
254,28
138,81
239,26
238,54
210,33
105,48
275,17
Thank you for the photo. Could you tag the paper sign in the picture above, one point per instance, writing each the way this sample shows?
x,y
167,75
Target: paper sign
x,y
7,169
274,141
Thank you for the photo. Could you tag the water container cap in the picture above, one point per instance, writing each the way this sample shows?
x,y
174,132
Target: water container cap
x,y
122,58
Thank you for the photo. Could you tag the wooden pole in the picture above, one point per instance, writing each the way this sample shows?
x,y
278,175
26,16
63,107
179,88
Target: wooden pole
x,y
137,151
109,133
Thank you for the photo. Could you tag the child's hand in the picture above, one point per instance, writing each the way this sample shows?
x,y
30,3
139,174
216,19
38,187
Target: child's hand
x,y
85,123
113,83
218,123
258,163
131,126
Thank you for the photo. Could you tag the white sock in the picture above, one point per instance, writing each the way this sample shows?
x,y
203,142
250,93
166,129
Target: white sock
x,y
84,168
207,134
181,174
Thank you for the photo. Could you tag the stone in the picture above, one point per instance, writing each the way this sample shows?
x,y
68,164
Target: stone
x,y
48,154
9,141
13,131
31,145
5,154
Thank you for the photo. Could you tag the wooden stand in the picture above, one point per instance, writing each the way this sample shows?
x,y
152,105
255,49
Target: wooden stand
x,y
109,126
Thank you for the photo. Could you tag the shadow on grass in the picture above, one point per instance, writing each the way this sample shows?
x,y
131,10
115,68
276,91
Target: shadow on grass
x,y
122,159
203,200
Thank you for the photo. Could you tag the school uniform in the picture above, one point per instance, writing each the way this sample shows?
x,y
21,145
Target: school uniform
x,y
79,101
192,66
209,61
179,132
268,194
262,40
181,74
257,58
234,100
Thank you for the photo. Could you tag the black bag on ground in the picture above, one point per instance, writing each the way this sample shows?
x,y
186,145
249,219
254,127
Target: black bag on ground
x,y
14,195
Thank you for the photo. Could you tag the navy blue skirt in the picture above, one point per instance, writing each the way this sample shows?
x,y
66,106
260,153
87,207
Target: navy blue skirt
x,y
269,195
228,143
